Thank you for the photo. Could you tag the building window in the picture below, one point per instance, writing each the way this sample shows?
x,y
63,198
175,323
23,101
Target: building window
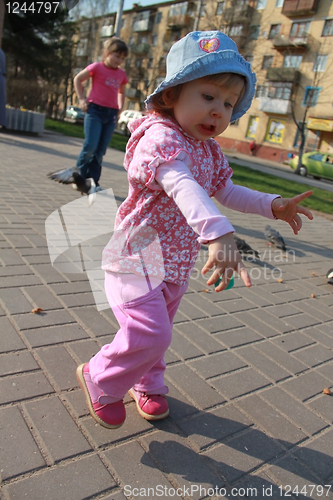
x,y
279,3
249,59
261,4
311,139
236,30
328,28
280,90
158,17
311,95
154,40
267,62
82,47
274,31
254,32
150,63
252,127
262,91
292,61
141,16
220,8
300,30
178,9
320,63
275,131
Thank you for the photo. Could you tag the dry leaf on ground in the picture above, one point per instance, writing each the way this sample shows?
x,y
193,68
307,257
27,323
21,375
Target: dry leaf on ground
x,y
37,310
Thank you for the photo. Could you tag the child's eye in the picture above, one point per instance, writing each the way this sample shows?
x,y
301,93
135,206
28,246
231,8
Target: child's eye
x,y
228,105
208,97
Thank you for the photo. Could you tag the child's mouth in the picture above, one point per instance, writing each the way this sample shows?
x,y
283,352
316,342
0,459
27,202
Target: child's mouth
x,y
207,129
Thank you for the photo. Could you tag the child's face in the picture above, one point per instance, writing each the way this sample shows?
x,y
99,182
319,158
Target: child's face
x,y
204,109
114,59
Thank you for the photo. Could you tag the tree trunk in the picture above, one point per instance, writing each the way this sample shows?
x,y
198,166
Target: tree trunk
x,y
301,149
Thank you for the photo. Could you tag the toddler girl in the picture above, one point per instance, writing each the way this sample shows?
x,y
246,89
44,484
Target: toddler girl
x,y
174,167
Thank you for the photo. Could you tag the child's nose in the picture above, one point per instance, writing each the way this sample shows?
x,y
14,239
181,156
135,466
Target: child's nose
x,y
217,111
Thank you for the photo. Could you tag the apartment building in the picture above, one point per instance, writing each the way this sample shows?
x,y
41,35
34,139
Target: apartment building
x,y
289,44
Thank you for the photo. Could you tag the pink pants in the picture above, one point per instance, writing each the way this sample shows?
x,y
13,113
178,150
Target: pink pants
x,y
135,358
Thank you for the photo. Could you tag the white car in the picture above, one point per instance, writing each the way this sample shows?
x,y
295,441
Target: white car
x,y
125,117
75,114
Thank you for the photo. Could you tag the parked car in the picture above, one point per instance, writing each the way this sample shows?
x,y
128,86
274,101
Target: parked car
x,y
125,117
75,114
315,163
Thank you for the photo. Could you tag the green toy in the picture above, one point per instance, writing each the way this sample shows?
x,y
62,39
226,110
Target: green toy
x,y
230,284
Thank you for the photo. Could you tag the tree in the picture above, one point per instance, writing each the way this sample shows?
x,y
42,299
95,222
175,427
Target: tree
x,y
233,17
39,59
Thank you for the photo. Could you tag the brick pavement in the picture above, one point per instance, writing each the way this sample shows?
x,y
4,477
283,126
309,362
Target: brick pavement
x,y
246,368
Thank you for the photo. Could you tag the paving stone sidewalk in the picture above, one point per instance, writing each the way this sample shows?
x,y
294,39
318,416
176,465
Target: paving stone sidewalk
x,y
246,367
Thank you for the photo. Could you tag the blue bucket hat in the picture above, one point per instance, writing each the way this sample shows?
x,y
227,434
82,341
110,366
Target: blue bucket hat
x,y
203,53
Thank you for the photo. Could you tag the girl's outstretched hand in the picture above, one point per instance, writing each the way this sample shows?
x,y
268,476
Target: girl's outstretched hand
x,y
224,258
287,209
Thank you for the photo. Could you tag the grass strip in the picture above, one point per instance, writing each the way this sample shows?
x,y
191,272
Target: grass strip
x,y
118,141
321,200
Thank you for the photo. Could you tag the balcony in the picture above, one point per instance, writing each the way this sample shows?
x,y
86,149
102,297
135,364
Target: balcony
x,y
180,21
143,25
240,14
140,49
277,106
107,31
283,42
295,8
283,75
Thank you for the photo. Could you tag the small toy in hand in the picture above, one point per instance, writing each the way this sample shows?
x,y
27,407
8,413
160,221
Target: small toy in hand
x,y
230,284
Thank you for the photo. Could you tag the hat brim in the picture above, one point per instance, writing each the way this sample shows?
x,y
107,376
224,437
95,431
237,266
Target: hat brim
x,y
227,62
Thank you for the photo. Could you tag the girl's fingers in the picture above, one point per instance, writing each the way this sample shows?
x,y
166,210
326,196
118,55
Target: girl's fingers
x,y
305,211
300,197
207,267
242,271
227,275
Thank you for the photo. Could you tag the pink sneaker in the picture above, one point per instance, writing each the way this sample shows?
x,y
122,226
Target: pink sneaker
x,y
150,406
109,415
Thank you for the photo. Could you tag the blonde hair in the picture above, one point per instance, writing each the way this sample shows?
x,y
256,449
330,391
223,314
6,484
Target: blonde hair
x,y
114,44
164,101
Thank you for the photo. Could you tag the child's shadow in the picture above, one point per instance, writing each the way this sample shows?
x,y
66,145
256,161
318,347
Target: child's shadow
x,y
242,450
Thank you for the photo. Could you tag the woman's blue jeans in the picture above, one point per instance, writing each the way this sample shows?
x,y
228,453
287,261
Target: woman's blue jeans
x,y
99,124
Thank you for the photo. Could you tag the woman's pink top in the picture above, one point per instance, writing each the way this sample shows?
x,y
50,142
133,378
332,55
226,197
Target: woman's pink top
x,y
105,84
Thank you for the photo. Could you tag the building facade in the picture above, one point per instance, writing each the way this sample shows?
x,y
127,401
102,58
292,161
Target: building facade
x,y
289,44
